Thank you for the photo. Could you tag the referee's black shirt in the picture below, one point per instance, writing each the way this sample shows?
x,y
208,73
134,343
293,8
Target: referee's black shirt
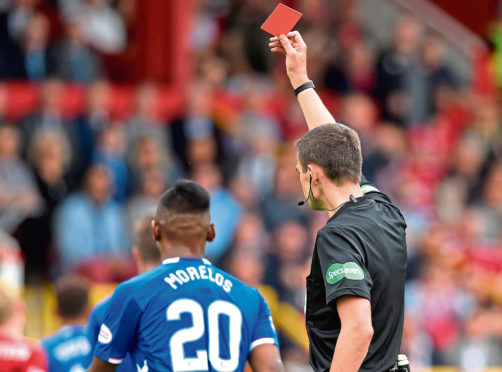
x,y
360,252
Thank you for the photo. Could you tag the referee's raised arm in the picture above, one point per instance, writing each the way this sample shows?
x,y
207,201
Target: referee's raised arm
x,y
354,306
295,50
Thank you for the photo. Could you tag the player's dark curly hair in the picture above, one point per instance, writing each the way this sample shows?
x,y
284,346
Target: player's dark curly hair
x,y
185,196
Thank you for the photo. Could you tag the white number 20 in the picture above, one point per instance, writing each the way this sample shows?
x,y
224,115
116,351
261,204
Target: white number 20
x,y
196,331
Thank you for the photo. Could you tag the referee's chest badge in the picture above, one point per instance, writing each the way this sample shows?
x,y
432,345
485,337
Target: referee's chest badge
x,y
338,271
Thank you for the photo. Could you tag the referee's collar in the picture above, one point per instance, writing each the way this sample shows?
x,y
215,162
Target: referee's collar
x,y
355,203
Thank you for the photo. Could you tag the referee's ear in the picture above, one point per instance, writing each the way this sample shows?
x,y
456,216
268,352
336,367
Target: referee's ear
x,y
211,233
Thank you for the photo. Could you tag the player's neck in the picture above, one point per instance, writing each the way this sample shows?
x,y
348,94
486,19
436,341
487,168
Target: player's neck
x,y
144,267
11,328
182,250
74,321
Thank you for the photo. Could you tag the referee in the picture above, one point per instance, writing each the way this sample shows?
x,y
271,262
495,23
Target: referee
x,y
355,290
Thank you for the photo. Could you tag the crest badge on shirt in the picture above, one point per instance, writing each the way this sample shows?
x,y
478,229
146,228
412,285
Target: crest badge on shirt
x,y
105,335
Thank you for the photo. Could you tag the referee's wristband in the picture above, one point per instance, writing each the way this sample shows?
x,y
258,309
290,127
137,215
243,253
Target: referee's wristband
x,y
309,84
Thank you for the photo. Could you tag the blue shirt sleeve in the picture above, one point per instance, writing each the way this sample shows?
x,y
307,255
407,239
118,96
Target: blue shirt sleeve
x,y
118,331
96,318
264,331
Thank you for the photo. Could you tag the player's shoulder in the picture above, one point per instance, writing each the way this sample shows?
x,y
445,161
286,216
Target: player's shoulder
x,y
63,334
52,340
133,290
140,281
34,346
31,342
99,309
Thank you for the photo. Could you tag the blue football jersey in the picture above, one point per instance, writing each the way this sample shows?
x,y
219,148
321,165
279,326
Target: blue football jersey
x,y
68,350
97,318
185,315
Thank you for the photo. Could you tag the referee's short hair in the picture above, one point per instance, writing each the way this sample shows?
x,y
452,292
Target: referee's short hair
x,y
72,293
335,148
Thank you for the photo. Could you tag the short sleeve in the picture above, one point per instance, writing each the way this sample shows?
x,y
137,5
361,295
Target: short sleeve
x,y
264,331
95,320
343,269
118,331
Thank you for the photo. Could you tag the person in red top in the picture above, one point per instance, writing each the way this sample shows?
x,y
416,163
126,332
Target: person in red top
x,y
17,353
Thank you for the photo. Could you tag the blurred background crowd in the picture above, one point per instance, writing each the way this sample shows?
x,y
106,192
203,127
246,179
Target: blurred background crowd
x,y
95,125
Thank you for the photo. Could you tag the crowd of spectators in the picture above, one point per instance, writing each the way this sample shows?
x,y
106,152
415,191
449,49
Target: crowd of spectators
x,y
71,189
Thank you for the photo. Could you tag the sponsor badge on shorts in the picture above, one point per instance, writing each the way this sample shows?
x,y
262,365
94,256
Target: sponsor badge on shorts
x,y
338,271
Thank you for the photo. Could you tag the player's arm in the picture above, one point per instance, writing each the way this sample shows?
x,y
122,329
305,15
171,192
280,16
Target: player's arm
x,y
355,334
295,50
264,353
266,358
100,366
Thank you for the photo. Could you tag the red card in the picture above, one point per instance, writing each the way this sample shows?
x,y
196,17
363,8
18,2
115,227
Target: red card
x,y
281,20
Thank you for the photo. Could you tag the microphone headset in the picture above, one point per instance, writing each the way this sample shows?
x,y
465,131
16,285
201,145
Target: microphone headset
x,y
302,202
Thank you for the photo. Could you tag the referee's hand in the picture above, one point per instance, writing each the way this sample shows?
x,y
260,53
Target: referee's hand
x,y
295,50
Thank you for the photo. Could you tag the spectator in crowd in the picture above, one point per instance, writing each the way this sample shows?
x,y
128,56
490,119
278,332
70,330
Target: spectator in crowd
x,y
225,212
281,204
258,134
400,84
34,48
246,267
3,102
73,59
250,236
490,207
479,348
438,74
19,197
360,113
147,154
69,348
102,26
144,202
111,151
49,155
287,257
11,260
19,16
145,120
440,307
87,128
17,353
90,230
48,116
195,138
